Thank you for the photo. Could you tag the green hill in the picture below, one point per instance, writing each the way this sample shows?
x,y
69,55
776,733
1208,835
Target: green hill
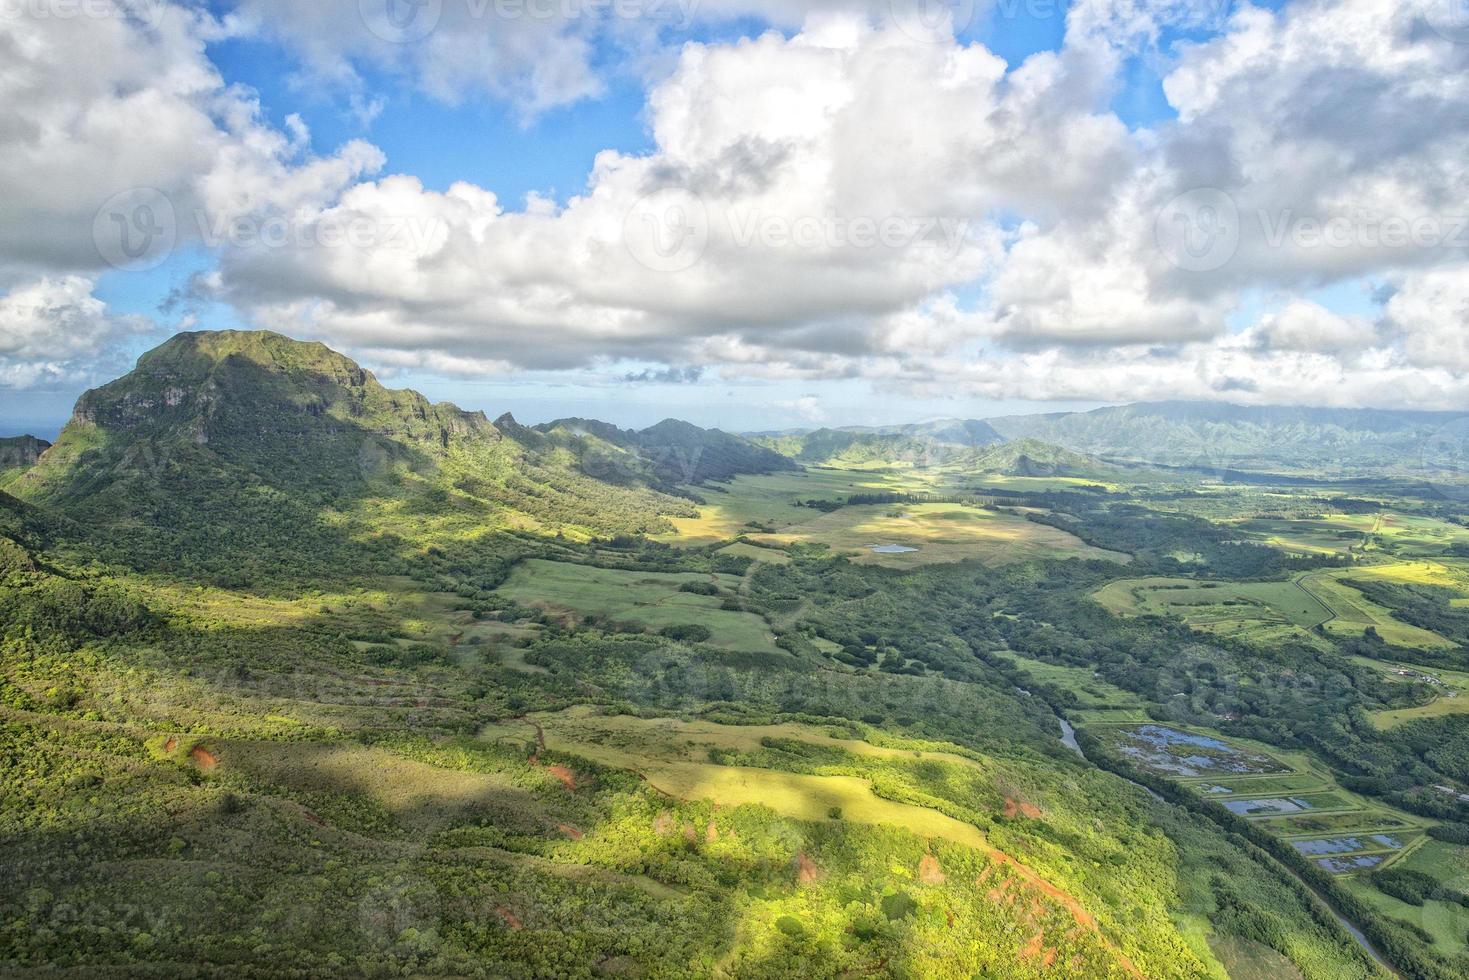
x,y
921,444
18,454
672,452
1214,436
249,453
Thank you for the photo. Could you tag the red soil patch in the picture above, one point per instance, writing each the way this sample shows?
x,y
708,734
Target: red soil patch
x,y
807,873
171,744
567,777
511,920
1015,808
663,824
930,872
711,833
205,758
1032,949
570,831
1067,901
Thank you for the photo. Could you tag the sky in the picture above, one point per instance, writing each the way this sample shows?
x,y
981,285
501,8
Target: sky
x,y
755,214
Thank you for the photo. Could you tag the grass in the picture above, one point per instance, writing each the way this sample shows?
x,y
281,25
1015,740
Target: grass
x,y
673,757
1262,611
1093,693
742,550
1353,613
1447,922
750,502
650,599
938,533
1454,699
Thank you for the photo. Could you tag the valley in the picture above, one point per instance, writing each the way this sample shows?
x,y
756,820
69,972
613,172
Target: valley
x,y
311,677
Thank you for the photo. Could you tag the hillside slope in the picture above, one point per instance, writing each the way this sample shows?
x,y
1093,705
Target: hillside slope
x,y
248,450
18,454
1213,435
672,452
921,444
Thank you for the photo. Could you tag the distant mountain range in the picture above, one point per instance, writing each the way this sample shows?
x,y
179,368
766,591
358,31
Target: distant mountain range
x,y
924,443
233,419
1212,436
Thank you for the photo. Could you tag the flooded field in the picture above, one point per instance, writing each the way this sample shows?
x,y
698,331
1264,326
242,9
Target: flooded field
x,y
1344,865
1324,846
1172,752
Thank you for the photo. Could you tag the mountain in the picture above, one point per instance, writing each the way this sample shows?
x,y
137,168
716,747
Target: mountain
x,y
922,444
675,453
249,452
1031,457
18,454
1213,436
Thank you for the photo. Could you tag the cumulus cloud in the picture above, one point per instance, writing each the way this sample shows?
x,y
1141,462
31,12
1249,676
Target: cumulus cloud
x,y
54,330
858,197
774,212
1306,326
121,111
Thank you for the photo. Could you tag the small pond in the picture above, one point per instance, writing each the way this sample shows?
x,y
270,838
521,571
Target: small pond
x,y
891,549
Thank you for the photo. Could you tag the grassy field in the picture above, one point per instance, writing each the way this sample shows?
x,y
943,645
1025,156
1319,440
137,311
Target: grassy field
x,y
673,756
1353,613
1261,612
1447,922
937,533
1098,700
1264,611
651,599
752,503
742,550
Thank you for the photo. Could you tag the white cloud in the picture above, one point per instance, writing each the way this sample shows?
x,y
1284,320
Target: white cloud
x,y
827,184
95,106
56,330
848,201
1310,327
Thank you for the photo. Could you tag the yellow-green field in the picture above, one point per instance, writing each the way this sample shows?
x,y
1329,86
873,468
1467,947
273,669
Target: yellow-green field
x,y
651,599
1447,922
1099,701
751,503
937,533
1268,611
673,757
1352,612
1453,696
1263,612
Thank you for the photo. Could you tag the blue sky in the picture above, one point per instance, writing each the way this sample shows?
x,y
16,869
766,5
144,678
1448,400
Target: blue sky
x,y
1059,285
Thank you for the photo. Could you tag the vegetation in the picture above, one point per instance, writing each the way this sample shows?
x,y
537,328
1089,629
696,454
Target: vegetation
x,y
301,676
